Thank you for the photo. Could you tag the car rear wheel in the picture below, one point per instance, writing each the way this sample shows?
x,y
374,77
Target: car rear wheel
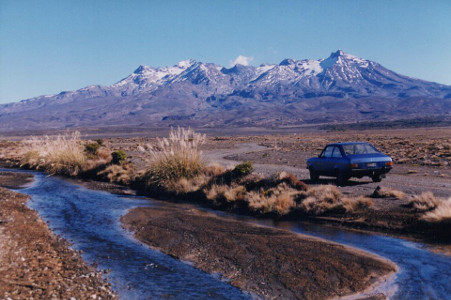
x,y
313,175
376,178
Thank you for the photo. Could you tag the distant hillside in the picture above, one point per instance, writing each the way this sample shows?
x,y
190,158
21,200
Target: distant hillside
x,y
340,88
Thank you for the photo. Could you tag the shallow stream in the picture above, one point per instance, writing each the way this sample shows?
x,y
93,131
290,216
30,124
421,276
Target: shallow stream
x,y
90,221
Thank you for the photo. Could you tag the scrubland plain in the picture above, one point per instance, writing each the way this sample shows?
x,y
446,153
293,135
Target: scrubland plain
x,y
259,175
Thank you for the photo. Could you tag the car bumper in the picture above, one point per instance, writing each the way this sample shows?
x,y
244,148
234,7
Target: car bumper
x,y
369,172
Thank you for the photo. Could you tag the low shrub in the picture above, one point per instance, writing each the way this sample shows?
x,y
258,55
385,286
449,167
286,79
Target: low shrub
x,y
118,156
91,149
243,169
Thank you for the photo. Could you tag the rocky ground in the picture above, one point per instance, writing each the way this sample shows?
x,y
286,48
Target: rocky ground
x,y
268,262
34,262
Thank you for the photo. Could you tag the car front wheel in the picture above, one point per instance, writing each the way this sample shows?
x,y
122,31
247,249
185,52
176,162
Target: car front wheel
x,y
313,175
341,178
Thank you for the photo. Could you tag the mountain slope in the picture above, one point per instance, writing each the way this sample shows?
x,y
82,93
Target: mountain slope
x,y
340,88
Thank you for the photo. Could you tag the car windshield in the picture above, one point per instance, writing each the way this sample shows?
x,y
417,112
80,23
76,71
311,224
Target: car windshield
x,y
353,149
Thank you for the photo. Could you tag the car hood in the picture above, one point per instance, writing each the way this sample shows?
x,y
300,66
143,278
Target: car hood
x,y
364,158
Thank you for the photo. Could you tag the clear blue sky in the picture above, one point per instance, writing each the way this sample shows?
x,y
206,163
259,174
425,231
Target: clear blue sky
x,y
50,46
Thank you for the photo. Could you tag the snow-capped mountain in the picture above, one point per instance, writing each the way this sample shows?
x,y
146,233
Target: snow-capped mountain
x,y
342,87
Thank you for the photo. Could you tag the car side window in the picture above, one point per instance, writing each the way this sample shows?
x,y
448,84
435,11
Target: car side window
x,y
328,152
336,152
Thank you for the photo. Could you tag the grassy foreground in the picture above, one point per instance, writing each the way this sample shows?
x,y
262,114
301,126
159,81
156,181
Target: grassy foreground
x,y
176,170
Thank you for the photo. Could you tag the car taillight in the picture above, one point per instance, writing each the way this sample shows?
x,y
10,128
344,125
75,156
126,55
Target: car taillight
x,y
389,164
353,166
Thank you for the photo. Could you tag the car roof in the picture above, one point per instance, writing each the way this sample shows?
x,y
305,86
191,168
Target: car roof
x,y
347,143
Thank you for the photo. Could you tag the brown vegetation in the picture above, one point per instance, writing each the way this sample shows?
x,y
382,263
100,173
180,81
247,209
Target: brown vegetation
x,y
320,199
434,209
174,158
381,192
64,154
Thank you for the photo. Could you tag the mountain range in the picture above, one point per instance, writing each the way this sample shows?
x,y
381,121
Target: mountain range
x,y
342,88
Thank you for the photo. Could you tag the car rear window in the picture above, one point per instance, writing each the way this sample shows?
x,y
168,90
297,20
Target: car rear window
x,y
353,149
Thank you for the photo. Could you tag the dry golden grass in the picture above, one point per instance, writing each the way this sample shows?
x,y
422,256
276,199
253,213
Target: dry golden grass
x,y
279,199
214,169
441,213
121,174
61,155
320,199
175,157
185,185
434,209
387,193
64,154
292,180
220,193
424,202
353,204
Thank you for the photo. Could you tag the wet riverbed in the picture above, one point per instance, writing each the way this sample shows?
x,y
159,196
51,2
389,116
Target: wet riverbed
x,y
90,220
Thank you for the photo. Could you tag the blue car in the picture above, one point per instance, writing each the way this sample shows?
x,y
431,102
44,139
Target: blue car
x,y
345,160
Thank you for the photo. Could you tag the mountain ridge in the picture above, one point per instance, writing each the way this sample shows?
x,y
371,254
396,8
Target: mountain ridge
x,y
340,88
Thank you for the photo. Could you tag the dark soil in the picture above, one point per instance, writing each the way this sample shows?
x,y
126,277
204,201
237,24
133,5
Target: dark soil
x,y
35,263
271,263
14,180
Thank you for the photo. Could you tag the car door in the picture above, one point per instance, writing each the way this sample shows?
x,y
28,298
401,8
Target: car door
x,y
334,157
323,162
337,161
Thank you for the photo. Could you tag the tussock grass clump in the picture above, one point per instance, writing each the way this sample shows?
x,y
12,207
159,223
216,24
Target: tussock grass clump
x,y
328,198
121,174
185,185
64,155
387,193
292,180
61,155
225,193
434,209
441,213
279,199
175,157
424,202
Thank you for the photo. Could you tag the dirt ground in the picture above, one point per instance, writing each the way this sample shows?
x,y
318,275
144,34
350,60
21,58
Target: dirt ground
x,y
422,159
422,163
35,263
271,263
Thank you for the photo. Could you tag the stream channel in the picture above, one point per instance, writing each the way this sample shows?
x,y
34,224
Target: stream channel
x,y
90,221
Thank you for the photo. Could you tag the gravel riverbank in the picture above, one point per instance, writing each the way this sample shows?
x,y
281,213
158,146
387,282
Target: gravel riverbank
x,y
34,262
